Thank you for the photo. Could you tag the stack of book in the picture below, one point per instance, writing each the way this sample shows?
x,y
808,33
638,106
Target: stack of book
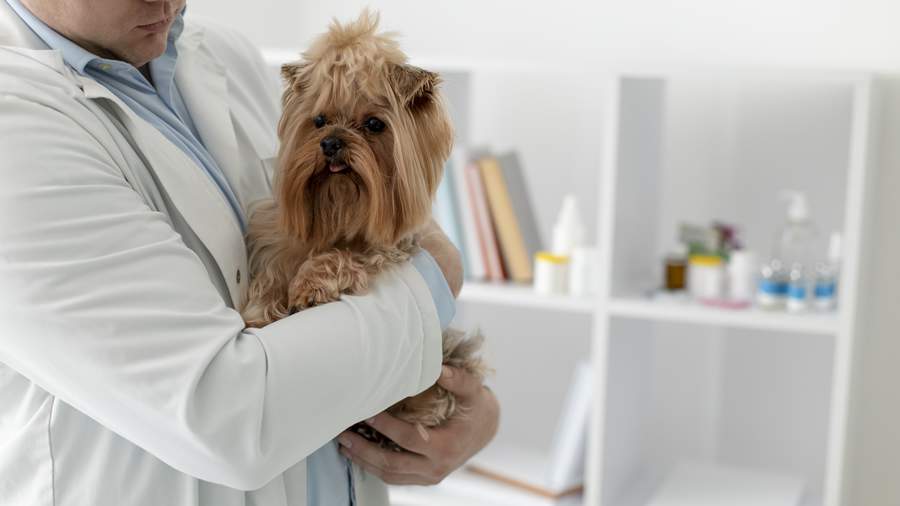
x,y
484,207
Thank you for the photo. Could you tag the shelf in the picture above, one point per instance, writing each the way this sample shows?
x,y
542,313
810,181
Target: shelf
x,y
508,294
465,488
751,318
655,310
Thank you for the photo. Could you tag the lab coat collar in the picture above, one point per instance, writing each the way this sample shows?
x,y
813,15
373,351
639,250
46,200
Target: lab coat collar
x,y
18,37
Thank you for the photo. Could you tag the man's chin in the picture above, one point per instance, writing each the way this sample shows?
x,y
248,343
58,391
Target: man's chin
x,y
145,49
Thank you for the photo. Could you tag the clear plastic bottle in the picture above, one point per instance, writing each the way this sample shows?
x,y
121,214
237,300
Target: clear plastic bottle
x,y
797,238
772,291
798,289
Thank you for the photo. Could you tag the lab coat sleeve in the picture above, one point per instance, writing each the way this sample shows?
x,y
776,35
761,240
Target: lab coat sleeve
x,y
104,306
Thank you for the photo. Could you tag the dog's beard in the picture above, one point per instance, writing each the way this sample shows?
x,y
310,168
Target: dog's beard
x,y
336,205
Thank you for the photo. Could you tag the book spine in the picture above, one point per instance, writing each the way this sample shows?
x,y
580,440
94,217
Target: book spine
x,y
474,264
487,243
517,186
512,245
446,213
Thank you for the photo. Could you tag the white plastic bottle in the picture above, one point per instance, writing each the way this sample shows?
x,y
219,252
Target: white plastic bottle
x,y
568,232
551,269
825,290
741,277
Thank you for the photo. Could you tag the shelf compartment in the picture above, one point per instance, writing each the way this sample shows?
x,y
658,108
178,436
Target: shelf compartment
x,y
750,318
724,397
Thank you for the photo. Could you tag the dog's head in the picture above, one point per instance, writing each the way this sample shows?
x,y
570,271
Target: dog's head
x,y
364,138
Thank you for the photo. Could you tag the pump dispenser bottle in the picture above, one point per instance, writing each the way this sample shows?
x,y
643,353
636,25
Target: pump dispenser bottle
x,y
786,279
796,239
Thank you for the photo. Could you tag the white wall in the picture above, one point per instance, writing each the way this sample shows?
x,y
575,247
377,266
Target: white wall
x,y
832,33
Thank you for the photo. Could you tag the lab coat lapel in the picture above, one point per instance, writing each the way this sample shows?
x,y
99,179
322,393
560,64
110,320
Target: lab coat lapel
x,y
193,193
203,84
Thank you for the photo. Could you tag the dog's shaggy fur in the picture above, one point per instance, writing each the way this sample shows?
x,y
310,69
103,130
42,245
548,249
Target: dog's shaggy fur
x,y
364,138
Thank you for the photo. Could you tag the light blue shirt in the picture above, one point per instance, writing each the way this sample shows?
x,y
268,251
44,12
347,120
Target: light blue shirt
x,y
161,105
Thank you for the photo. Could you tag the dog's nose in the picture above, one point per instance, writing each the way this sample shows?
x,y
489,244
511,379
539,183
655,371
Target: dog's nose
x,y
331,145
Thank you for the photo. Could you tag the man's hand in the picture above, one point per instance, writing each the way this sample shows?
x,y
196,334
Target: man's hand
x,y
433,240
428,462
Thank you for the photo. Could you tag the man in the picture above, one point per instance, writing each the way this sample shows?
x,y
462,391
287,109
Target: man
x,y
131,145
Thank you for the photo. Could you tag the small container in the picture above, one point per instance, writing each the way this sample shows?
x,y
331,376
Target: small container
x,y
583,269
826,276
675,268
551,273
741,277
771,293
706,277
825,289
798,290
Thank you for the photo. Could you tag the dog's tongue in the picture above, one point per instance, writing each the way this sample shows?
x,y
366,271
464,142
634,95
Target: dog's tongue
x,y
337,167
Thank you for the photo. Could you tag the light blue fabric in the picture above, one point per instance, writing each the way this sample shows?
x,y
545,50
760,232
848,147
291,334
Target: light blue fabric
x,y
161,104
328,478
437,283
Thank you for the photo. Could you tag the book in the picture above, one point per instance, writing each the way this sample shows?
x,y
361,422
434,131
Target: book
x,y
446,212
484,227
521,202
566,470
509,235
473,266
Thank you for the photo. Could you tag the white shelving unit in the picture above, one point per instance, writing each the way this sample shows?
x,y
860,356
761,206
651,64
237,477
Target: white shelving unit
x,y
674,382
762,391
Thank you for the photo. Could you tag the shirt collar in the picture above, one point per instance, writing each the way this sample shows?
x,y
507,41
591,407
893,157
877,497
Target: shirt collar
x,y
76,56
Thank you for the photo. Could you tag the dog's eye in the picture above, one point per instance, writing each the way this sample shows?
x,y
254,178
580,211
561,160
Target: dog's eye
x,y
319,121
374,125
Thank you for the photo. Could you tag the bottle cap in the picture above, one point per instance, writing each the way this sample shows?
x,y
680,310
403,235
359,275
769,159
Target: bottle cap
x,y
708,260
546,256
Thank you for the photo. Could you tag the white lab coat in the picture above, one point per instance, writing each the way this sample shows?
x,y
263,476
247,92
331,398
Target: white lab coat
x,y
126,376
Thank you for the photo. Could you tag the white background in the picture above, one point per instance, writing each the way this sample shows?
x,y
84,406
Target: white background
x,y
833,33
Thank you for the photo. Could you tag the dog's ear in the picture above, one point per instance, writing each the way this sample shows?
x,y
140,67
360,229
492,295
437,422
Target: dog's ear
x,y
291,72
415,86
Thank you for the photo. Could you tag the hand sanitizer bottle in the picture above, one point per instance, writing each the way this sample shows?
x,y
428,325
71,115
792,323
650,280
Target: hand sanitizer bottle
x,y
797,298
797,237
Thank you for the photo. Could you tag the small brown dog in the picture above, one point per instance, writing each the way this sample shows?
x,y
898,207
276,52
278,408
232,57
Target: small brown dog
x,y
364,139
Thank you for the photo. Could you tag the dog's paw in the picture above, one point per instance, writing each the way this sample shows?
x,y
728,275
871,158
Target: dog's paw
x,y
311,291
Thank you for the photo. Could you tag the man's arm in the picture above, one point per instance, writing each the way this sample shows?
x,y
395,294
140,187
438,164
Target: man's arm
x,y
105,307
